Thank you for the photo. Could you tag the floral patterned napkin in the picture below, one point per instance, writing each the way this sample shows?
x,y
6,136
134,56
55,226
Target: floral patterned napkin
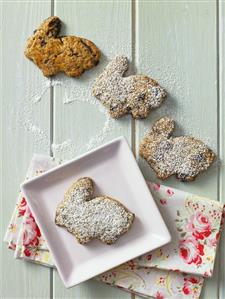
x,y
138,276
30,244
194,223
38,165
160,284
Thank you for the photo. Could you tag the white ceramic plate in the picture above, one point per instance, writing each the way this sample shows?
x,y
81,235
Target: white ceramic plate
x,y
116,174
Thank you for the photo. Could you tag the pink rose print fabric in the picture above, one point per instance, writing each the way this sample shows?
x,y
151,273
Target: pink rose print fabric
x,y
160,284
31,234
200,225
28,243
195,223
191,251
11,235
38,165
22,206
191,285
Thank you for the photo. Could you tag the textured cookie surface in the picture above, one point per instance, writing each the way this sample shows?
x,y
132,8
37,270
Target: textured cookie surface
x,y
183,156
136,94
52,53
90,218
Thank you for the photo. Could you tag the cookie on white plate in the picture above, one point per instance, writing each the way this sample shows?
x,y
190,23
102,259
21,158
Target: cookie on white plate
x,y
89,217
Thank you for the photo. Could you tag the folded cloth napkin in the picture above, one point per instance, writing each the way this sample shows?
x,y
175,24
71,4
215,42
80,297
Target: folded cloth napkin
x,y
152,282
38,165
194,223
24,236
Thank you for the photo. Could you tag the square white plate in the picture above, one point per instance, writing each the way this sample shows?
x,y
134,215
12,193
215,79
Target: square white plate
x,y
116,174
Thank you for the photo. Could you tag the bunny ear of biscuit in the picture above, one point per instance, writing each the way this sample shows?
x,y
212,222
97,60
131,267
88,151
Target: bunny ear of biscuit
x,y
164,126
51,27
82,188
119,65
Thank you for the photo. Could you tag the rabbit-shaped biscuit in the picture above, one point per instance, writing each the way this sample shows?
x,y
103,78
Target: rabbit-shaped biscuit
x,y
90,218
52,53
183,156
136,94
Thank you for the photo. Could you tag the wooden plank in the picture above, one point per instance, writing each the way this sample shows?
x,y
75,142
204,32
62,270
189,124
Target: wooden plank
x,y
221,78
176,45
78,126
25,130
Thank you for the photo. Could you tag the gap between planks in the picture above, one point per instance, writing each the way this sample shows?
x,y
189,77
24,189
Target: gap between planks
x,y
51,287
134,63
218,118
220,14
133,57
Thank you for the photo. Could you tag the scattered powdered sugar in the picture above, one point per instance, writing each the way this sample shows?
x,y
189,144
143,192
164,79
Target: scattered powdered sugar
x,y
37,98
68,148
64,147
89,218
100,137
23,115
72,92
35,130
83,96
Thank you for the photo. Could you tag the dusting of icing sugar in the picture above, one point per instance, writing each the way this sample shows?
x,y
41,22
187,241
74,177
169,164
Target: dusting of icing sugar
x,y
82,95
23,115
51,83
66,147
183,156
35,130
37,98
100,137
72,92
69,148
134,94
90,218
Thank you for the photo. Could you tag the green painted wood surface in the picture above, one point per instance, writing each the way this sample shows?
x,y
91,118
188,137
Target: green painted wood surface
x,y
20,80
180,43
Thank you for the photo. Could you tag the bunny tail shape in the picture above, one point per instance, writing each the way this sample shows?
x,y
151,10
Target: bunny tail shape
x,y
136,94
88,218
183,156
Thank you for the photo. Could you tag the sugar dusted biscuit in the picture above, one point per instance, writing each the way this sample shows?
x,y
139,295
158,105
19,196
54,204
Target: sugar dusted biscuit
x,y
183,156
90,218
53,53
136,94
